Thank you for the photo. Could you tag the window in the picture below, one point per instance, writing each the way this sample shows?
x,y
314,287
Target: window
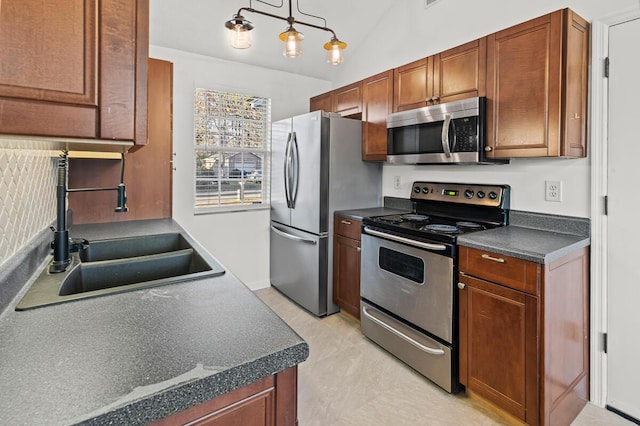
x,y
232,140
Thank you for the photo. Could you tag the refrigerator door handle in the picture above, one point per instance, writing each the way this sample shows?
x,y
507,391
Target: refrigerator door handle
x,y
296,171
287,168
292,237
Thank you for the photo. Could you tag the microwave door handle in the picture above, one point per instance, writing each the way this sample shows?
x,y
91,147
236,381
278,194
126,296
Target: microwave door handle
x,y
445,135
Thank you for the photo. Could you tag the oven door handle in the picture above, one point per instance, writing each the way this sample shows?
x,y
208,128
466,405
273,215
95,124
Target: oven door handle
x,y
402,335
408,241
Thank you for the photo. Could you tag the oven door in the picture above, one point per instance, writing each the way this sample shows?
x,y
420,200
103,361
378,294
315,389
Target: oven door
x,y
411,282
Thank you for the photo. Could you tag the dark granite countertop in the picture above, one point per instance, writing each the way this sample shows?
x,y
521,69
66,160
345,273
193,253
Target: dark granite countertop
x,y
131,358
534,237
359,214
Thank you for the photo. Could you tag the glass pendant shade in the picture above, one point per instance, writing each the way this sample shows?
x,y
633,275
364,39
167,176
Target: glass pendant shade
x,y
239,32
334,51
292,45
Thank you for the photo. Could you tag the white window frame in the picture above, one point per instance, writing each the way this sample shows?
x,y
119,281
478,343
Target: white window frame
x,y
213,129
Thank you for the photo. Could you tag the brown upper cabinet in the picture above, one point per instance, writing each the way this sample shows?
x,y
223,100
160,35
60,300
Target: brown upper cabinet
x,y
413,85
78,69
347,100
377,102
537,88
454,74
322,102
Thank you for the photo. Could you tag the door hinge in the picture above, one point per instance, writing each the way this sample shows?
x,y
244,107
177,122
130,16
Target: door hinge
x,y
604,343
606,67
606,205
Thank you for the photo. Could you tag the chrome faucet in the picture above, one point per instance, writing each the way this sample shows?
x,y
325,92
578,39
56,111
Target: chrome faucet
x,y
61,243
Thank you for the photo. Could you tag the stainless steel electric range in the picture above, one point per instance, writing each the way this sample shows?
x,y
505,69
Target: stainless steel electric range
x,y
409,269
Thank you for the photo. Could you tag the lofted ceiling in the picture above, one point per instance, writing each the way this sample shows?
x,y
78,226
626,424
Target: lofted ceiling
x,y
197,26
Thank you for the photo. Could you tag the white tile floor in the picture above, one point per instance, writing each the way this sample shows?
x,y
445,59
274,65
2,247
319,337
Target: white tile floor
x,y
350,381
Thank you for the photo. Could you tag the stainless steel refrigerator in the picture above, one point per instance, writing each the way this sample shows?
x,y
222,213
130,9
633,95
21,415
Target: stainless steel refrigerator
x,y
316,169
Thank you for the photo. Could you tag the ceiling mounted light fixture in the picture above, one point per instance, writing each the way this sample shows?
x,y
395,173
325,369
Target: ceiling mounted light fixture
x,y
240,36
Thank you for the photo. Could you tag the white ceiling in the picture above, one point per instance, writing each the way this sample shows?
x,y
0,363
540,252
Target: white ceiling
x,y
198,26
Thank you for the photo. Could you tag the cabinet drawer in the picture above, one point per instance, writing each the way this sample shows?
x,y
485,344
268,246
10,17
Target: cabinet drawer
x,y
347,227
514,273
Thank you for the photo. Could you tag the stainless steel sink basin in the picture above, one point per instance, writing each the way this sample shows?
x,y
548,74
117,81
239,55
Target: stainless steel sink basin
x,y
119,265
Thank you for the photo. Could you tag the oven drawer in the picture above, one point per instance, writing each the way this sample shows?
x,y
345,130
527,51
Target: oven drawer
x,y
347,227
514,273
427,356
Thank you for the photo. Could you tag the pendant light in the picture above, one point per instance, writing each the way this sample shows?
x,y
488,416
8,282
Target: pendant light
x,y
334,50
240,36
292,39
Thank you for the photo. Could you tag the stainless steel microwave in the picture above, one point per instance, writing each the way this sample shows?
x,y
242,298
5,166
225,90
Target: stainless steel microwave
x,y
448,133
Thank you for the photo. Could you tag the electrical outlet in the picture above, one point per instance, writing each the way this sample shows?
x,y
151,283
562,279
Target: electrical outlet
x,y
397,182
553,190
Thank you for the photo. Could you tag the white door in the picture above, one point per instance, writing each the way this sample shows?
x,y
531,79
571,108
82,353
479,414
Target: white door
x,y
623,281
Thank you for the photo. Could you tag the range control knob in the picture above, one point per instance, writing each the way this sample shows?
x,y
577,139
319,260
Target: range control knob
x,y
416,189
493,195
480,194
468,193
425,190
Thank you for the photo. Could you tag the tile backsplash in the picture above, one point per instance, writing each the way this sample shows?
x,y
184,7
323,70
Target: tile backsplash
x,y
27,192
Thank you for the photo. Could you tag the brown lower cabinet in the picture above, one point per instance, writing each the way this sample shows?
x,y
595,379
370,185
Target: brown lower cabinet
x,y
346,264
271,401
524,334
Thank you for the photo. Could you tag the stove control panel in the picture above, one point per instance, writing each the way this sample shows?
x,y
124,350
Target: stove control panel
x,y
462,193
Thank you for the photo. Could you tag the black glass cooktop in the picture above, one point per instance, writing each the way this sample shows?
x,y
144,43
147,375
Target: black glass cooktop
x,y
428,226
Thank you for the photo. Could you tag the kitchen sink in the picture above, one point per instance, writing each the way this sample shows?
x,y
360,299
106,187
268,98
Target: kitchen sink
x,y
120,248
105,267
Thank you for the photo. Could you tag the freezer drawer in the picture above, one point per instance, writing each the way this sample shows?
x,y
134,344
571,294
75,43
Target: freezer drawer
x,y
299,267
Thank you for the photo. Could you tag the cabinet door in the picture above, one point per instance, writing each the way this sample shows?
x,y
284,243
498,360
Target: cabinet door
x,y
499,346
148,169
347,101
377,103
51,86
78,68
536,88
267,402
460,72
413,85
323,102
523,106
346,274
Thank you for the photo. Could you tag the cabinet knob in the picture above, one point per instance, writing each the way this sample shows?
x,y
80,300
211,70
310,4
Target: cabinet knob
x,y
358,249
461,286
488,148
345,222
